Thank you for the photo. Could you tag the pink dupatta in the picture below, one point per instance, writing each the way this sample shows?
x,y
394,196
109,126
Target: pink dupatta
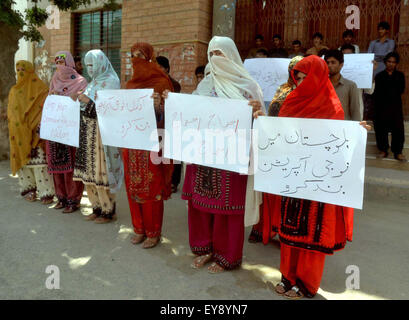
x,y
66,80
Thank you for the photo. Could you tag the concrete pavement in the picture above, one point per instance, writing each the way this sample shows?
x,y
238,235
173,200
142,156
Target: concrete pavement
x,y
99,262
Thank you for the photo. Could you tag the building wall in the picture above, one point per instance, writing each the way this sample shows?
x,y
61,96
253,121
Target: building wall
x,y
178,29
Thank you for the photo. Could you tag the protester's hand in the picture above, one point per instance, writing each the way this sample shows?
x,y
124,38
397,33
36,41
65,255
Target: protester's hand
x,y
255,104
165,94
365,125
375,64
258,113
83,98
156,100
74,96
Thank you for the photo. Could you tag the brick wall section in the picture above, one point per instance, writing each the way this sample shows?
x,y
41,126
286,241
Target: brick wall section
x,y
61,39
178,29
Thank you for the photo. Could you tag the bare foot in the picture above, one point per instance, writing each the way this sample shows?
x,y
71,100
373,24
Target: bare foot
x,y
200,261
215,268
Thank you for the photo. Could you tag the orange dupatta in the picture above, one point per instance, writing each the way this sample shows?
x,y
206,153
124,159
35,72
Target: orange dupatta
x,y
147,181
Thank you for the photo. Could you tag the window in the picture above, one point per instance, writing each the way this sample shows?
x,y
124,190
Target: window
x,y
99,30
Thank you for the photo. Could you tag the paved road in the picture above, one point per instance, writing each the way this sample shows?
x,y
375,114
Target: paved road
x,y
99,262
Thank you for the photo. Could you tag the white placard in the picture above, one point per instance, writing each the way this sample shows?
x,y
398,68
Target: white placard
x,y
358,67
127,119
269,73
314,159
209,131
60,120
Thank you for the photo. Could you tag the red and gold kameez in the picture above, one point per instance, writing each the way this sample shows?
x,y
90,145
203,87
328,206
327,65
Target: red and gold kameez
x,y
147,184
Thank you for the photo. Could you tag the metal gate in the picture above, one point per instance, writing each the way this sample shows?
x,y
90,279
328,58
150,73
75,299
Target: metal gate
x,y
300,19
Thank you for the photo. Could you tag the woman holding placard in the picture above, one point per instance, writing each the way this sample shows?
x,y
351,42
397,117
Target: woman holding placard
x,y
27,156
309,230
61,158
147,184
267,227
99,167
217,198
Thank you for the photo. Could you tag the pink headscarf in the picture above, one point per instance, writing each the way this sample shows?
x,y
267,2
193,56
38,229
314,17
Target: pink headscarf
x,y
66,80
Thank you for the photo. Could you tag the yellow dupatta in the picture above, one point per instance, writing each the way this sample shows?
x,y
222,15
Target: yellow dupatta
x,y
26,100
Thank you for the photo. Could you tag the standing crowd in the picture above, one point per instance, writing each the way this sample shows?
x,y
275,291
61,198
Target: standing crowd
x,y
381,103
217,200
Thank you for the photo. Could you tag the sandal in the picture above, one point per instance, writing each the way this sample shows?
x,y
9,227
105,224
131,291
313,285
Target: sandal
x,y
400,157
105,218
31,196
60,204
381,155
294,293
200,261
139,238
47,200
281,288
151,242
215,268
253,238
96,212
70,209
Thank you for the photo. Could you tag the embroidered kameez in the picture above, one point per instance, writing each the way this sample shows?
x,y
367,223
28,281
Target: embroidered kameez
x,y
99,167
61,158
147,184
309,230
217,198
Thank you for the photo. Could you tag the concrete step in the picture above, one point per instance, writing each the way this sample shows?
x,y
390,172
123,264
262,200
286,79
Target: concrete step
x,y
389,162
387,184
371,149
386,163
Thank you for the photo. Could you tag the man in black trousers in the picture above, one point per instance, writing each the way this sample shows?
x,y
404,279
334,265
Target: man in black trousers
x,y
388,115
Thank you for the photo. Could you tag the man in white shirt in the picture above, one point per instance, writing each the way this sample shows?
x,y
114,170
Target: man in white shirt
x,y
347,49
348,37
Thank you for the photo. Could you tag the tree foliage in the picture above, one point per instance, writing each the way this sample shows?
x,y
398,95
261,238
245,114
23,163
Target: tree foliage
x,y
35,16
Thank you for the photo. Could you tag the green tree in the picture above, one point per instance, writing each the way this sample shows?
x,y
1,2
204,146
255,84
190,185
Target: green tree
x,y
14,26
